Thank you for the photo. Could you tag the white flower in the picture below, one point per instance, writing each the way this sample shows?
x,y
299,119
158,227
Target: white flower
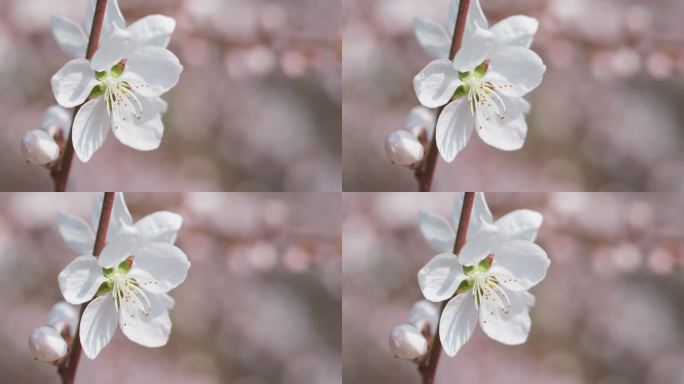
x,y
484,86
488,281
420,121
38,147
63,316
406,342
56,120
130,280
47,345
424,314
403,148
150,30
123,85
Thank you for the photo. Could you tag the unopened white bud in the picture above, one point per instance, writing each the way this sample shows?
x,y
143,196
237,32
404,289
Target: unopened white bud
x,y
403,148
63,316
56,119
424,314
47,345
406,342
419,121
39,148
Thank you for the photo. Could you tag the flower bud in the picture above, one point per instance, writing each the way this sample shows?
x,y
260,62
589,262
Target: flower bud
x,y
420,121
424,314
47,345
403,148
406,342
39,148
56,119
63,316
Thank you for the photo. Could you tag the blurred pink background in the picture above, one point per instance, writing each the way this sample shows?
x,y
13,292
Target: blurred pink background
x,y
257,108
610,310
607,117
261,303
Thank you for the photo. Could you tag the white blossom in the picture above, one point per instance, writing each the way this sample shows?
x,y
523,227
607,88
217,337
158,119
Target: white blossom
x,y
39,148
47,345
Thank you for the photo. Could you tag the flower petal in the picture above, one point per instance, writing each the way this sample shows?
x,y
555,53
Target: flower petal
x,y
432,37
457,323
120,247
519,264
120,216
436,83
98,325
159,267
479,245
149,331
440,277
76,233
153,30
80,279
510,328
160,226
475,50
112,50
90,128
521,224
72,84
152,70
476,16
515,71
480,214
454,128
437,232
507,134
69,36
143,132
113,17
516,30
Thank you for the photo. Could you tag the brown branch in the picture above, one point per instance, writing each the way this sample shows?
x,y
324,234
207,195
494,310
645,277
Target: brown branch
x,y
426,171
60,174
429,367
67,371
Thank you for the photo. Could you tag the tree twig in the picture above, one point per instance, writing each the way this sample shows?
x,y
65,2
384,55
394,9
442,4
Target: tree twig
x,y
429,367
426,171
67,371
60,174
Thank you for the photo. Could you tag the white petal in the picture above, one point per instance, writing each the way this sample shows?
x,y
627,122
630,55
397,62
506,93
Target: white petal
x,y
521,224
112,50
159,267
120,247
160,226
56,118
76,233
440,277
80,279
98,325
475,50
479,215
113,17
432,37
476,16
458,322
407,342
516,30
120,219
454,128
90,129
152,70
69,36
437,232
479,245
510,328
143,133
153,30
147,331
39,147
515,71
507,134
72,84
436,83
519,264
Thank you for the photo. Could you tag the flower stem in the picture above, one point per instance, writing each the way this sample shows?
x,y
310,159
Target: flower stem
x,y
60,173
425,173
67,371
429,367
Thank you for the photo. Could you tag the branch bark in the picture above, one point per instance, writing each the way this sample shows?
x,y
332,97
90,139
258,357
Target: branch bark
x,y
425,173
429,367
67,371
60,174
